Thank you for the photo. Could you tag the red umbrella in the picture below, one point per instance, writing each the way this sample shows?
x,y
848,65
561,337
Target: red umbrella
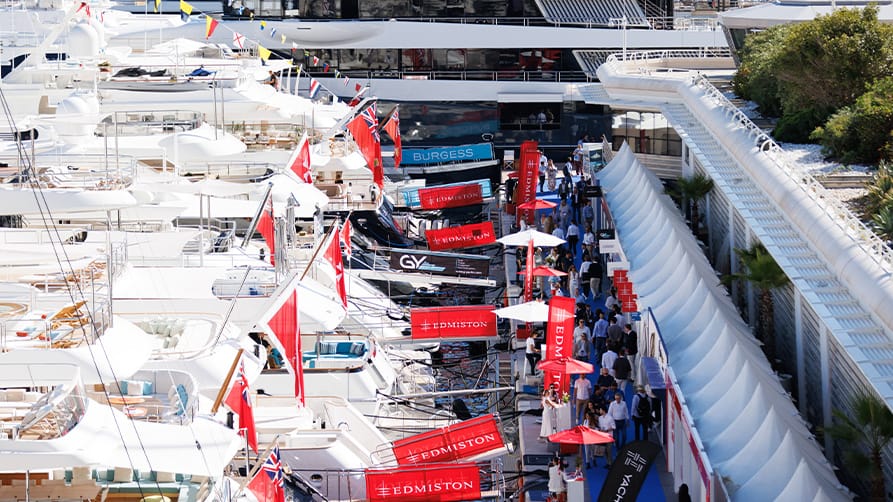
x,y
566,365
581,435
544,271
537,204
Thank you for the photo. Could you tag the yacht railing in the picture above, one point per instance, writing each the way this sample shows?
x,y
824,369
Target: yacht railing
x,y
96,172
141,123
484,75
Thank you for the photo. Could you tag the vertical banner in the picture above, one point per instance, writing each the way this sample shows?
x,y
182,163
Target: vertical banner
x,y
628,471
426,483
559,337
527,179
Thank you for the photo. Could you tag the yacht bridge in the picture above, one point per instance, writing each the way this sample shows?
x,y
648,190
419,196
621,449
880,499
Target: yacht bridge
x,y
834,320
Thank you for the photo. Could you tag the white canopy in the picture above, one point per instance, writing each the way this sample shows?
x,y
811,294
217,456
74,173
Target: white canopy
x,y
752,433
534,311
539,239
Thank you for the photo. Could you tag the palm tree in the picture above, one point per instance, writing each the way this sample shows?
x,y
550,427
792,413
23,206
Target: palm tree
x,y
871,428
763,272
693,190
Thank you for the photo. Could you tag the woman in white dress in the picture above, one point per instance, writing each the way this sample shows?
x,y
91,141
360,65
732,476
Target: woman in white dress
x,y
550,402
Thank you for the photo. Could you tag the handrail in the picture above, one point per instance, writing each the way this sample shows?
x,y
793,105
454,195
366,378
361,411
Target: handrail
x,y
841,215
508,75
851,225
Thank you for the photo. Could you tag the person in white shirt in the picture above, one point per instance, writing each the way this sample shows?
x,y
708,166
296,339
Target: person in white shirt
x,y
620,413
606,424
532,352
573,236
558,232
608,359
582,392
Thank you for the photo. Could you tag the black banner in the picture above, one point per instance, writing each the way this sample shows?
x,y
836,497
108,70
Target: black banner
x,y
628,472
456,266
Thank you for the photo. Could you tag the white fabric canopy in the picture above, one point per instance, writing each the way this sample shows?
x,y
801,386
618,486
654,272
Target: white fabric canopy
x,y
752,433
534,311
523,237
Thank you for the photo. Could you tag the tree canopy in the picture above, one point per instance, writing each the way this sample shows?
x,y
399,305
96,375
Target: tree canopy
x,y
806,72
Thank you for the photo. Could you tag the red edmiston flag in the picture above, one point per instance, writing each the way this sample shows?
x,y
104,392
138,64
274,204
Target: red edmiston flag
x,y
559,337
392,127
239,400
268,484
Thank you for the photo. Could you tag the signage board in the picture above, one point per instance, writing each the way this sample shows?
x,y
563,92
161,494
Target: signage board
x,y
441,264
443,155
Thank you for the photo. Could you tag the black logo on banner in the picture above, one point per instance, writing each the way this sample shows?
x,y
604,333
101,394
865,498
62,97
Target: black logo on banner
x,y
442,265
628,472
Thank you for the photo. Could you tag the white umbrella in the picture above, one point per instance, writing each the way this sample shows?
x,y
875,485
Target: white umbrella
x,y
534,311
539,239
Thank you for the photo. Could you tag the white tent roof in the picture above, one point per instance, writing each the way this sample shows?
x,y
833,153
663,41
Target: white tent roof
x,y
751,431
766,15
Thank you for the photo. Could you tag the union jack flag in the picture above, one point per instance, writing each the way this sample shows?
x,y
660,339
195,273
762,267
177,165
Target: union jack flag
x,y
268,485
371,121
273,468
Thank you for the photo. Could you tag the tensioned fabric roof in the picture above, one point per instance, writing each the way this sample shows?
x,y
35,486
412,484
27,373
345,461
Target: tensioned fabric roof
x,y
751,431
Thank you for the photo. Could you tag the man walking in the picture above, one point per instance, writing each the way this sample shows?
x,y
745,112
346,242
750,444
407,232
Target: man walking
x,y
620,413
582,393
641,413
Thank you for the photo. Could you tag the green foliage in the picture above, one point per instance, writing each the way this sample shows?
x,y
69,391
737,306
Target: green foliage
x,y
806,72
693,189
880,191
862,132
755,79
883,222
761,268
870,427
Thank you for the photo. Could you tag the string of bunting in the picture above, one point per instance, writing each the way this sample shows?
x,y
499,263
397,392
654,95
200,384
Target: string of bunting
x,y
240,41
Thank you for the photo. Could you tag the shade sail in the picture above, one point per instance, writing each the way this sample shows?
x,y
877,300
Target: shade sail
x,y
534,311
539,239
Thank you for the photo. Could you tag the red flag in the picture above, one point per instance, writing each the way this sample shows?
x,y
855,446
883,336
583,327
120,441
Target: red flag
x,y
210,26
333,256
358,87
392,127
239,401
83,6
299,163
364,128
527,181
268,485
559,336
345,236
528,277
265,227
287,333
359,97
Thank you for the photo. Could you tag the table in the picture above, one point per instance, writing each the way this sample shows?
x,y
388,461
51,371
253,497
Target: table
x,y
563,414
126,400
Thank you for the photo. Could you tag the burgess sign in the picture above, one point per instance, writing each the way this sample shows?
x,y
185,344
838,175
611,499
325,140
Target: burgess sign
x,y
462,236
462,441
429,483
456,266
470,321
461,153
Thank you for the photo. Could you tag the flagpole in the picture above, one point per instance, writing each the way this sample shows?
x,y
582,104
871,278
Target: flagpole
x,y
260,462
316,252
221,394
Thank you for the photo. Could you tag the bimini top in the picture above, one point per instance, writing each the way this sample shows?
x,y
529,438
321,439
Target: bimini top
x,y
769,14
737,402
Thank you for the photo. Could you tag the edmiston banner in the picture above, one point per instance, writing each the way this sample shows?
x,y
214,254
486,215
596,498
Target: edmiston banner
x,y
452,443
463,236
453,196
428,483
528,177
470,321
442,264
559,337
